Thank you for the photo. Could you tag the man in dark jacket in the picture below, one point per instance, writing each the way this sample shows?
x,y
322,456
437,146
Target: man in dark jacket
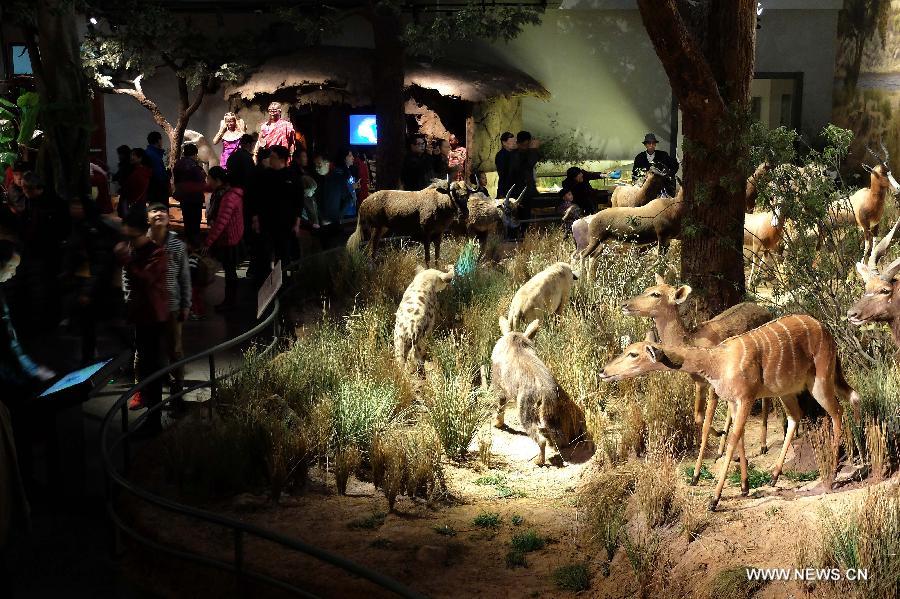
x,y
276,210
190,181
654,157
147,301
240,163
501,162
522,163
159,183
333,194
417,165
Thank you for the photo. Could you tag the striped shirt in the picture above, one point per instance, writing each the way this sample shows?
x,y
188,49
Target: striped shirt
x,y
178,275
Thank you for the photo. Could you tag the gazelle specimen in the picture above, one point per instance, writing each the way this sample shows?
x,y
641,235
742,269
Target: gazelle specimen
x,y
866,206
881,300
660,303
763,234
632,196
780,358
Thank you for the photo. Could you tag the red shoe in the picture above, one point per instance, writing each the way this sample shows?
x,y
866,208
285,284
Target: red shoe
x,y
136,402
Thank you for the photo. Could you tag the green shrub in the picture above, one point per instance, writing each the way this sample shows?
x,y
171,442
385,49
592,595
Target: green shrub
x,y
733,583
487,520
527,541
755,478
572,577
456,410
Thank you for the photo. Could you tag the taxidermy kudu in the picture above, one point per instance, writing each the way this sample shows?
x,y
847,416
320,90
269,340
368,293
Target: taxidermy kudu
x,y
881,300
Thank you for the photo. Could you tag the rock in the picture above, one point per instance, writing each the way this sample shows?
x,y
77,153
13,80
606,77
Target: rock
x,y
432,554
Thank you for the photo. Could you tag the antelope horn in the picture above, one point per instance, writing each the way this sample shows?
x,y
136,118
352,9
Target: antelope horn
x,y
886,153
519,199
872,152
475,187
890,271
508,194
882,246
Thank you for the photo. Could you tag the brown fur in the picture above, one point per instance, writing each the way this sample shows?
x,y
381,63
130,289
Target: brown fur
x,y
762,238
632,196
658,221
415,315
546,412
545,293
425,214
660,303
486,216
880,302
866,207
782,358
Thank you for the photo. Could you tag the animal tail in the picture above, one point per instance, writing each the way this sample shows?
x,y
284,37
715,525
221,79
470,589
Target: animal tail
x,y
844,390
355,239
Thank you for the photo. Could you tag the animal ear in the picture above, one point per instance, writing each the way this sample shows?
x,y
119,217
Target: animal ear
x,y
532,328
447,276
660,280
863,271
651,336
682,294
575,275
419,268
653,352
661,356
504,325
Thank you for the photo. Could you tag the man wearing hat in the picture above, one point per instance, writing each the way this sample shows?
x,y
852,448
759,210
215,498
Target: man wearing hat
x,y
658,158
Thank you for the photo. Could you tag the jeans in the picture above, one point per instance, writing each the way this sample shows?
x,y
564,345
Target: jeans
x,y
174,348
148,340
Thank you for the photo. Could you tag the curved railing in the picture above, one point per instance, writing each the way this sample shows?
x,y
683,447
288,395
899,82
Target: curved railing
x,y
118,482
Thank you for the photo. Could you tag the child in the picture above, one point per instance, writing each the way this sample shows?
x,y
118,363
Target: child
x,y
568,209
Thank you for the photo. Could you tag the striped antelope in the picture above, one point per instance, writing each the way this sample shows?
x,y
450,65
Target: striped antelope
x,y
877,302
779,358
660,303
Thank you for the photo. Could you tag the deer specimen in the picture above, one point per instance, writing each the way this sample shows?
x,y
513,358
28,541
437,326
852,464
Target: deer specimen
x,y
881,300
780,358
866,206
660,303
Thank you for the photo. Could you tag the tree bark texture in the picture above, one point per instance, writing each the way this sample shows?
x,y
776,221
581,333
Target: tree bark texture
x,y
708,55
65,101
388,79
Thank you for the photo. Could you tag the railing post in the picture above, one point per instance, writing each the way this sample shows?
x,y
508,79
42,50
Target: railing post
x,y
212,384
239,561
126,444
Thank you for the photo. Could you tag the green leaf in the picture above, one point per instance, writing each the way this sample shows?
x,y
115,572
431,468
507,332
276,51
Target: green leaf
x,y
6,102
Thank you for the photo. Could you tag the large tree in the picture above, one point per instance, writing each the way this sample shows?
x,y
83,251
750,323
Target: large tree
x,y
137,39
707,48
51,34
400,28
858,21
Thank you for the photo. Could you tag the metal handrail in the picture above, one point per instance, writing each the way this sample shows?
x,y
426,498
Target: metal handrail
x,y
239,529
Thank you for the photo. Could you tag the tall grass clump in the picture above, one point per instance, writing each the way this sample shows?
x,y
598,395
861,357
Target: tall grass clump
x,y
406,459
865,537
456,409
602,500
655,491
361,408
877,436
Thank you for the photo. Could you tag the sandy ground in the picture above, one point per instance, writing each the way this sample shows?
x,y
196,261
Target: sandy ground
x,y
762,530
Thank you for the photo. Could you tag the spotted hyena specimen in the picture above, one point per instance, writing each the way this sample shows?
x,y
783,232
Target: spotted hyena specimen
x,y
415,315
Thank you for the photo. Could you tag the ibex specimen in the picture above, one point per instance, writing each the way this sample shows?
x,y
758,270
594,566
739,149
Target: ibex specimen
x,y
780,358
660,303
881,300
867,205
632,196
487,216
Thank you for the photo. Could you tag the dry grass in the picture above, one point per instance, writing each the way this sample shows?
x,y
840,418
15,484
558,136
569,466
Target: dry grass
x,y
655,491
821,439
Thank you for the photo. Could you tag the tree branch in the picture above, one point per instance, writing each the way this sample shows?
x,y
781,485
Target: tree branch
x,y
692,80
138,94
204,87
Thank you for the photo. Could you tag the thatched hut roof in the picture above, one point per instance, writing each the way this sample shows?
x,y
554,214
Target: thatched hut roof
x,y
329,74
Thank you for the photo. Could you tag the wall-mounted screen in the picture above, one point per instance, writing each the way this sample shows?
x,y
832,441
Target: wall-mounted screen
x,y
363,130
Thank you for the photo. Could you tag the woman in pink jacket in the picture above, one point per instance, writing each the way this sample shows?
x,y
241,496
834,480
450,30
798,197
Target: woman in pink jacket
x,y
226,215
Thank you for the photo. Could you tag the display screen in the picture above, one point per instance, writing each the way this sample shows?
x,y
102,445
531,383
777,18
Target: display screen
x,y
363,130
75,378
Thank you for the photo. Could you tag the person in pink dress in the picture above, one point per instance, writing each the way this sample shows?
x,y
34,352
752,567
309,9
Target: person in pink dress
x,y
230,130
276,131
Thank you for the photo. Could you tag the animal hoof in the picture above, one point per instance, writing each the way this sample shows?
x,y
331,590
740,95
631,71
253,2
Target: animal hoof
x,y
775,478
711,506
745,490
694,480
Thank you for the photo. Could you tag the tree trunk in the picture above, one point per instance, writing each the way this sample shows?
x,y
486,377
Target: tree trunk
x,y
388,77
710,78
65,101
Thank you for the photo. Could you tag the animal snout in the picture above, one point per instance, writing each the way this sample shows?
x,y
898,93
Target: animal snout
x,y
853,316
